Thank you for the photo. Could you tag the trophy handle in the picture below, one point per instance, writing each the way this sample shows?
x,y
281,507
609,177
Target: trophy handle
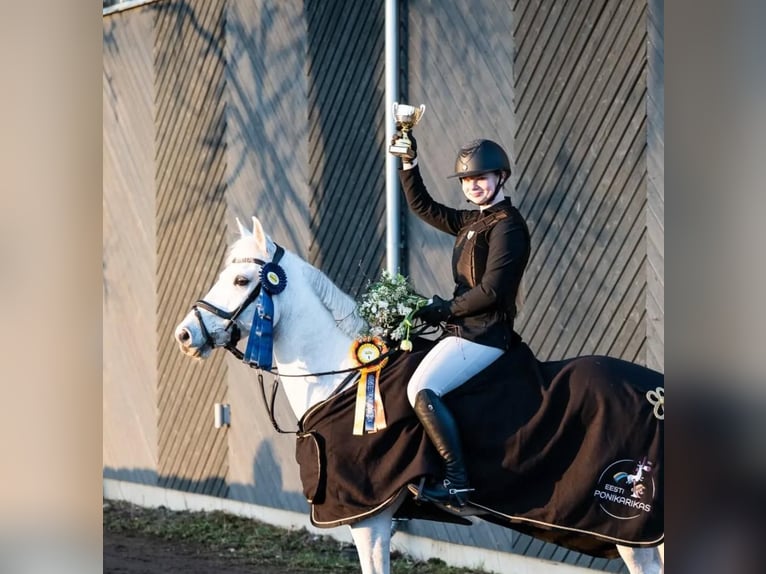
x,y
393,108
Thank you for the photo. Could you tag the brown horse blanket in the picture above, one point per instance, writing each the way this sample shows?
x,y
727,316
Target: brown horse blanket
x,y
570,452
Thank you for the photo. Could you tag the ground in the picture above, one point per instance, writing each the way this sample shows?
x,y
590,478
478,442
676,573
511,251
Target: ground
x,y
140,540
160,541
140,554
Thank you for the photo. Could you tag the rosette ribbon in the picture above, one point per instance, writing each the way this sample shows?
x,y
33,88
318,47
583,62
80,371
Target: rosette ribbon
x,y
260,344
369,414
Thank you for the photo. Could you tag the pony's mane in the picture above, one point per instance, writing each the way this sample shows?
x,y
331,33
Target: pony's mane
x,y
342,307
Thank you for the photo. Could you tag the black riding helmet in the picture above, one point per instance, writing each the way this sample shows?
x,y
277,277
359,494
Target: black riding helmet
x,y
481,156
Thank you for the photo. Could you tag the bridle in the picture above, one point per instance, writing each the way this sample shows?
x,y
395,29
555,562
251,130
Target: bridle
x,y
231,316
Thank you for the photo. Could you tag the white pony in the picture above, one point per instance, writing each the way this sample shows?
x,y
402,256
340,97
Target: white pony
x,y
308,309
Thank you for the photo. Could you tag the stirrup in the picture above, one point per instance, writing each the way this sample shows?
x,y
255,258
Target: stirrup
x,y
456,497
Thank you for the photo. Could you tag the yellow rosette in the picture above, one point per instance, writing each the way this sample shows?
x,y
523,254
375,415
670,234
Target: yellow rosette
x,y
369,415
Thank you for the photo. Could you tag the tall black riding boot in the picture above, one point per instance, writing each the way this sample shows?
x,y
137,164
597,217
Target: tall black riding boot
x,y
441,429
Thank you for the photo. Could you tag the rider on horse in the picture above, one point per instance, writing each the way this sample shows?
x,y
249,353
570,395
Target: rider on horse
x,y
491,251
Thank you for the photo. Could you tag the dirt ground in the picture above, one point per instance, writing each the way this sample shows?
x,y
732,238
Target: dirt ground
x,y
129,554
139,540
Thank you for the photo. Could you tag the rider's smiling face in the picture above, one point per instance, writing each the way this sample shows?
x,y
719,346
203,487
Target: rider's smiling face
x,y
478,189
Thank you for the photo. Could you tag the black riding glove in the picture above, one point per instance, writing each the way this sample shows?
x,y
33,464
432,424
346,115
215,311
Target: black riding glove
x,y
410,152
435,312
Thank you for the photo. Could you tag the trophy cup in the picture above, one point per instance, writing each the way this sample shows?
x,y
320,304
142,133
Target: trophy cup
x,y
407,117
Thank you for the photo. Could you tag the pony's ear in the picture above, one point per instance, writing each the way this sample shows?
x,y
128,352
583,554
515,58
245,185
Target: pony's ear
x,y
243,231
262,240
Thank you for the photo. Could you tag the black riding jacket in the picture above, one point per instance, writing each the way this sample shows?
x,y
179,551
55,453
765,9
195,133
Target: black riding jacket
x,y
491,252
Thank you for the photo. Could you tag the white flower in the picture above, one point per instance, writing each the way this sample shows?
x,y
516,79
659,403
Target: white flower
x,y
386,303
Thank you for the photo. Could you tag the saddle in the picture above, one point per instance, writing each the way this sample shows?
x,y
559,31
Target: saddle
x,y
569,452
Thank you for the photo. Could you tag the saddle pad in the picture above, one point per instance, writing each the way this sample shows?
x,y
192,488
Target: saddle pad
x,y
570,452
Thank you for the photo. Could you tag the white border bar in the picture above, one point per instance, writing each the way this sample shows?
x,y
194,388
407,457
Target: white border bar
x,y
126,5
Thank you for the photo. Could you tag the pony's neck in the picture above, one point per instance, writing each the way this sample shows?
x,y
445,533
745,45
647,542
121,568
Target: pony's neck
x,y
308,339
302,386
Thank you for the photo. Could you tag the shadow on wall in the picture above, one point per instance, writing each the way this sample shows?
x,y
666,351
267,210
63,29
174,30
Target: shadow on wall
x,y
458,110
266,487
265,43
137,475
347,158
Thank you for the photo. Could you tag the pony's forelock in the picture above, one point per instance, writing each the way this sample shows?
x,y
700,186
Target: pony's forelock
x,y
243,247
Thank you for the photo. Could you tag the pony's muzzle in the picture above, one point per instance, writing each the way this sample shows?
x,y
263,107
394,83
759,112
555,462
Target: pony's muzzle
x,y
184,337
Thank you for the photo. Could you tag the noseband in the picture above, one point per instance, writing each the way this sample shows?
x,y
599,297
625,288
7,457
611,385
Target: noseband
x,y
231,316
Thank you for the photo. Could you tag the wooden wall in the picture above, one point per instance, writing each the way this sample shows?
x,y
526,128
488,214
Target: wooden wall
x,y
345,69
190,178
581,169
267,176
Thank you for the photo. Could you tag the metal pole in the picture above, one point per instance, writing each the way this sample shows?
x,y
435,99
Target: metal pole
x,y
392,176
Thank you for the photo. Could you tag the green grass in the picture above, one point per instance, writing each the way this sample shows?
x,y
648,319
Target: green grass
x,y
246,540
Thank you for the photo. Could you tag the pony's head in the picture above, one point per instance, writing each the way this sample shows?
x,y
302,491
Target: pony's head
x,y
218,319
256,291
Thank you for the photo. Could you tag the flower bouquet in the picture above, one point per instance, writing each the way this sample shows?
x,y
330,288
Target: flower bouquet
x,y
388,306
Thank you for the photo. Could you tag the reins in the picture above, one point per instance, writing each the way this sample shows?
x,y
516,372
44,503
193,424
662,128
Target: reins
x,y
269,404
352,373
276,373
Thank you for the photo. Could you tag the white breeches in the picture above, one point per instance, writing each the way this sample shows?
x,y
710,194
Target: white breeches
x,y
450,364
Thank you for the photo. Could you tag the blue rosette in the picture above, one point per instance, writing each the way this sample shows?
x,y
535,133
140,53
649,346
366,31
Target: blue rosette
x,y
273,278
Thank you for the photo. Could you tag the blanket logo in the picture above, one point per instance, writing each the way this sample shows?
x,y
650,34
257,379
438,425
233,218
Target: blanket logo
x,y
625,489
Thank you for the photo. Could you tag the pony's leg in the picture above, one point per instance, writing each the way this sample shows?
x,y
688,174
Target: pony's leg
x,y
642,560
372,538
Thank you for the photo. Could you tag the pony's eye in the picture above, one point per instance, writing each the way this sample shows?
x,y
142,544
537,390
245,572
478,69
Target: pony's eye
x,y
241,281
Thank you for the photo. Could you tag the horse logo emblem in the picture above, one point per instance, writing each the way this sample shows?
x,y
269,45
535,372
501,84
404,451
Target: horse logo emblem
x,y
635,480
626,488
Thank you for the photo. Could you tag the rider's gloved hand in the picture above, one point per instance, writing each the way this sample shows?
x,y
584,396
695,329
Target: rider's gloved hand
x,y
435,312
410,152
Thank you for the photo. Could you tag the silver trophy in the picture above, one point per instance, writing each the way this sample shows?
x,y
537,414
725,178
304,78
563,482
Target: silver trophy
x,y
407,117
